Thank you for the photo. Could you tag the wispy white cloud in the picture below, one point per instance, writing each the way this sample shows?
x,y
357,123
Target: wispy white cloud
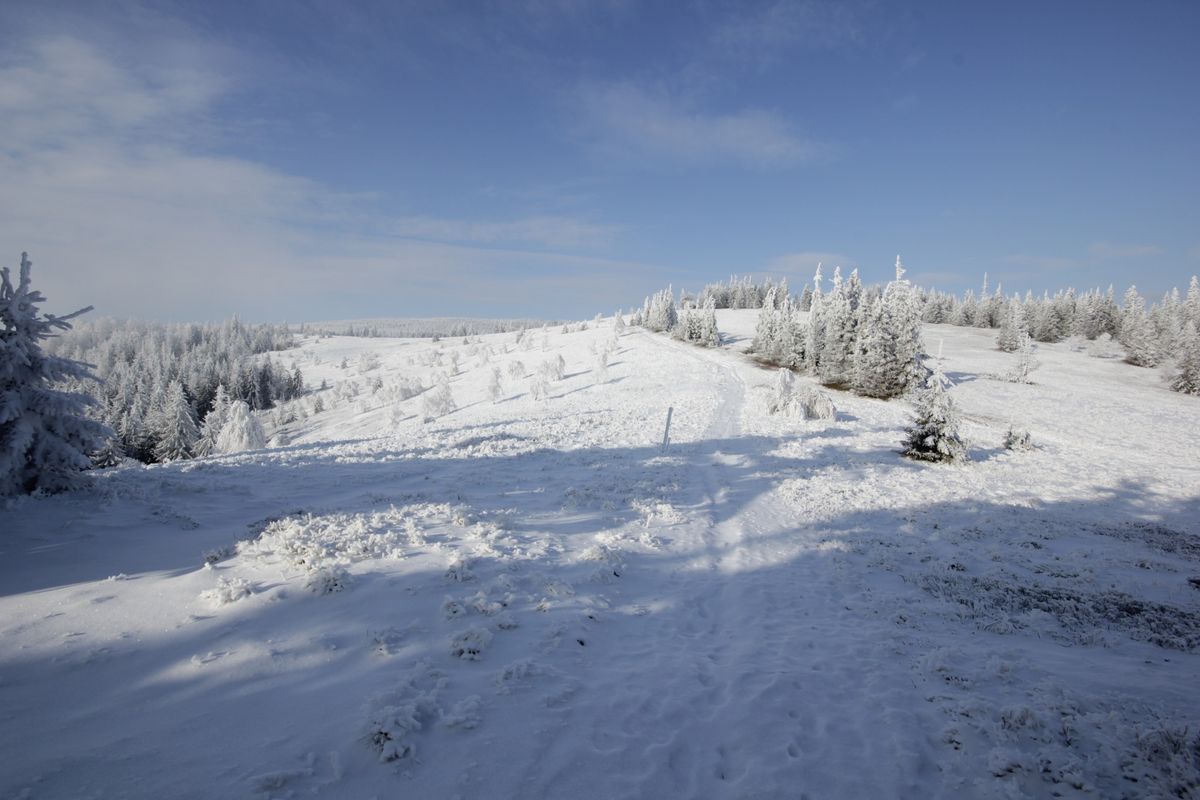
x,y
1110,250
623,119
543,231
758,31
123,205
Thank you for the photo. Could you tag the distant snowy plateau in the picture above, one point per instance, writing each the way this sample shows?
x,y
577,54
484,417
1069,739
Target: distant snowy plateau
x,y
528,598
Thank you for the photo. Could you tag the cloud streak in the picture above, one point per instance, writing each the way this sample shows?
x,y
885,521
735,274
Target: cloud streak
x,y
622,119
124,206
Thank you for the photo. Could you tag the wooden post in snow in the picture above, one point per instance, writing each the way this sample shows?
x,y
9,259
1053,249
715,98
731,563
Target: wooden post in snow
x,y
667,432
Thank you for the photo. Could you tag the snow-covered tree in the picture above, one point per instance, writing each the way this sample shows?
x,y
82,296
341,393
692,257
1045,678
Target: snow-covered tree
x,y
661,315
178,432
887,362
1136,334
495,386
214,421
1026,360
1186,376
539,386
619,322
438,400
1009,338
241,431
600,366
841,318
933,435
815,334
46,437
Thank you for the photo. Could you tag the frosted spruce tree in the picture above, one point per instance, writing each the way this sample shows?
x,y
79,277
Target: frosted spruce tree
x,y
241,431
1011,322
46,437
1186,377
177,433
214,420
814,341
887,362
933,435
841,325
1136,334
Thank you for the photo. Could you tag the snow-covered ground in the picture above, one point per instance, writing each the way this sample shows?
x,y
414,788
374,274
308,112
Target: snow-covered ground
x,y
530,599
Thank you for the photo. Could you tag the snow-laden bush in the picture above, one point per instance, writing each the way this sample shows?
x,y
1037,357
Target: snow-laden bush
x,y
241,430
1018,440
328,579
227,590
394,718
516,370
807,403
470,644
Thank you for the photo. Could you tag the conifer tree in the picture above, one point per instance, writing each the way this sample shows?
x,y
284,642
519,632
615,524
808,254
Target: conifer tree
x,y
1136,335
214,421
933,434
815,335
1186,377
1009,338
46,437
178,433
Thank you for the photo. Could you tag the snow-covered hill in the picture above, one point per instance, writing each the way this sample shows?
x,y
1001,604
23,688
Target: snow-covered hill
x,y
530,598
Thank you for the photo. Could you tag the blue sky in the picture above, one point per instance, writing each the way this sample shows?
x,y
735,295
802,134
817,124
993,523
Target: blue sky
x,y
322,160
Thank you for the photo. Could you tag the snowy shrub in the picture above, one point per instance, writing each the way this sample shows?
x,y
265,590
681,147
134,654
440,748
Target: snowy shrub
x,y
438,400
393,718
227,590
1017,439
807,404
241,430
459,570
470,644
46,437
464,714
815,404
516,370
933,435
328,579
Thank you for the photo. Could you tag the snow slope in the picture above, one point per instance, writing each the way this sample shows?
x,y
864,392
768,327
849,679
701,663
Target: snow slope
x,y
529,599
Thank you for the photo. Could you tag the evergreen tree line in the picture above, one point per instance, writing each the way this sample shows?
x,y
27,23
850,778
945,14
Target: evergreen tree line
x,y
864,339
160,384
739,293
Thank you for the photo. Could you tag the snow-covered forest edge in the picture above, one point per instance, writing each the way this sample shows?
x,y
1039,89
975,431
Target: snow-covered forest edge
x,y
315,565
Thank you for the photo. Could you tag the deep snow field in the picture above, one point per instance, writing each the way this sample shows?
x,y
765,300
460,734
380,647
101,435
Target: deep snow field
x,y
528,599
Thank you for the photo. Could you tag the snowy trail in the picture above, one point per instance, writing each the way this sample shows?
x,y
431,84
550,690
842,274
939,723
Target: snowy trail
x,y
742,688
